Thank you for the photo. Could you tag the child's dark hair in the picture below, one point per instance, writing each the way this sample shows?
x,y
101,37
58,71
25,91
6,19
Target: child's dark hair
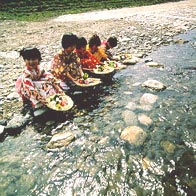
x,y
81,43
30,53
112,41
68,40
94,40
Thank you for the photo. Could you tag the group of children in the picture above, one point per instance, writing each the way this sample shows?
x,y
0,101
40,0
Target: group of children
x,y
35,84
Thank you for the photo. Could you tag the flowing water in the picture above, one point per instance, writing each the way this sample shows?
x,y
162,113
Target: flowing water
x,y
98,162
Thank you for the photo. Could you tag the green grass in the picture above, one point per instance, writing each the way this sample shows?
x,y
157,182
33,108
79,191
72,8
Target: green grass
x,y
38,10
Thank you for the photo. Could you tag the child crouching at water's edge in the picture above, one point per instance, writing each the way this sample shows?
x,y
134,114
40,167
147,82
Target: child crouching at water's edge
x,y
35,84
66,63
88,61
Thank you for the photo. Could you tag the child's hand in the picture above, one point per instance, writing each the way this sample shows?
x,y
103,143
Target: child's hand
x,y
74,79
43,101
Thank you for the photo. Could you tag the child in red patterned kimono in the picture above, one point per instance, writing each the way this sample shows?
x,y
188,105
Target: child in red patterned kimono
x,y
35,84
87,60
66,63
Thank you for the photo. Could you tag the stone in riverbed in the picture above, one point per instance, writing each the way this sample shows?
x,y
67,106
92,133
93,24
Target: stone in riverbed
x,y
144,119
13,95
40,111
15,125
134,135
154,64
148,98
129,117
168,146
154,85
60,140
131,61
180,41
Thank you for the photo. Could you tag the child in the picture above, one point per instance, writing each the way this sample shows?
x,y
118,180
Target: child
x,y
108,44
66,64
87,60
94,48
101,50
35,84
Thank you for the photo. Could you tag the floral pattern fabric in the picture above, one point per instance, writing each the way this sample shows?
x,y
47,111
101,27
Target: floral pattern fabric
x,y
63,64
36,85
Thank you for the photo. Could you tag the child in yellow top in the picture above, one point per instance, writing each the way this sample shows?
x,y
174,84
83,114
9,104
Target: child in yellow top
x,y
94,48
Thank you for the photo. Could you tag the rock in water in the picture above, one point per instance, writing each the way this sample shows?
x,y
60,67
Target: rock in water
x,y
134,135
154,64
131,61
148,98
154,85
129,117
15,125
60,140
144,119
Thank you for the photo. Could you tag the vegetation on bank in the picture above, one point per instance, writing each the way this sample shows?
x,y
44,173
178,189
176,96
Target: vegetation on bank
x,y
35,10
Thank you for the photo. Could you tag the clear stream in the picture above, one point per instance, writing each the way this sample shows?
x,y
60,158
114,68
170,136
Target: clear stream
x,y
98,162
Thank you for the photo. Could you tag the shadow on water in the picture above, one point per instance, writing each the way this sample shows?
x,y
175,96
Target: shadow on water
x,y
86,99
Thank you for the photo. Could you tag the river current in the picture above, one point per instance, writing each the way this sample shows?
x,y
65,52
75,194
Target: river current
x,y
98,162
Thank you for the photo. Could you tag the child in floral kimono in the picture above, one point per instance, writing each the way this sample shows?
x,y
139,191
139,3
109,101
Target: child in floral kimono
x,y
87,60
35,84
66,63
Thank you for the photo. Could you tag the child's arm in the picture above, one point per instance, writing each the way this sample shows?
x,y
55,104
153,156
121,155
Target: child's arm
x,y
70,77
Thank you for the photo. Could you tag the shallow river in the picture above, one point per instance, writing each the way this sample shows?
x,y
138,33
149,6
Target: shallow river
x,y
98,162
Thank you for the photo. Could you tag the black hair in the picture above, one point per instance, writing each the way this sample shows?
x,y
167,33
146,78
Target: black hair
x,y
94,40
30,53
81,43
112,41
68,40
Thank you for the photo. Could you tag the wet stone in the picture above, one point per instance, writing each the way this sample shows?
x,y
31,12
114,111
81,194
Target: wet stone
x,y
180,41
131,106
144,119
154,64
168,146
134,135
154,85
131,61
13,95
129,117
3,122
60,140
148,98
